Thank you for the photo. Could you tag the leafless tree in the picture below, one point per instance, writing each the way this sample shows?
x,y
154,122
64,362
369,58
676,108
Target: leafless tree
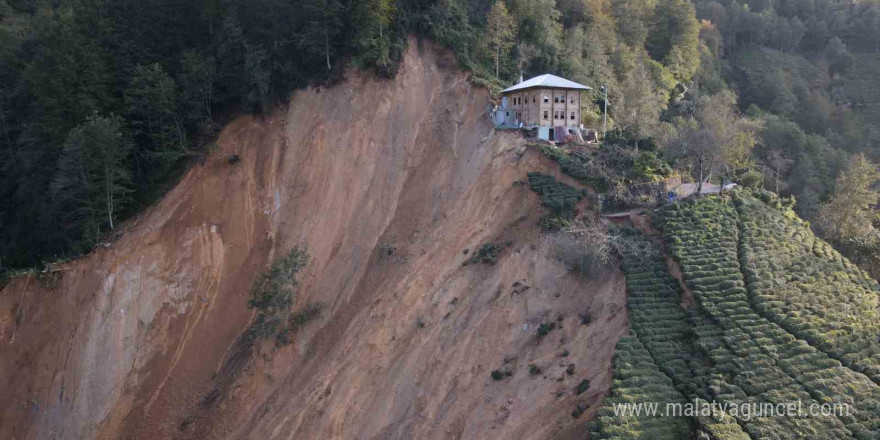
x,y
588,244
778,164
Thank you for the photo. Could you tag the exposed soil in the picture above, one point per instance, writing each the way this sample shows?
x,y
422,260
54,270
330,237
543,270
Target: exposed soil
x,y
386,183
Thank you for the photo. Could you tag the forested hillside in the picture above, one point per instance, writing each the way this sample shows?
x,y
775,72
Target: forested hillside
x,y
103,102
809,70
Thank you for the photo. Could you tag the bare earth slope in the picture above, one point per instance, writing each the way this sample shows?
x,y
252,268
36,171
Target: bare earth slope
x,y
386,183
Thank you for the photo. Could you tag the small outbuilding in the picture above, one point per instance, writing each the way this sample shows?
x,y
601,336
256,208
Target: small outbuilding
x,y
544,103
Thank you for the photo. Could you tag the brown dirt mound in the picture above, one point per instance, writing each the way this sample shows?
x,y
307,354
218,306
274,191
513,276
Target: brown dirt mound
x,y
130,342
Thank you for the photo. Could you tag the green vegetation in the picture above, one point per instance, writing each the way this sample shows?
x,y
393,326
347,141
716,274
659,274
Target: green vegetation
x,y
756,359
611,166
501,374
779,317
544,329
799,282
273,296
557,196
582,387
638,380
168,74
808,70
488,253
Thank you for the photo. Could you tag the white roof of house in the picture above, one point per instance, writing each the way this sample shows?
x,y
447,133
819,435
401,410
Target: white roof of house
x,y
549,81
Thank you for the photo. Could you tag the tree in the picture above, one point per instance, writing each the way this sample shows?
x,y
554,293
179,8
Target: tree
x,y
695,147
323,25
674,38
539,34
69,76
638,111
372,40
151,98
197,79
778,164
500,27
630,16
839,58
848,214
93,184
736,135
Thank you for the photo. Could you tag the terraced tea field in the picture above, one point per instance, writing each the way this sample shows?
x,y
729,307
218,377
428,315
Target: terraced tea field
x,y
780,317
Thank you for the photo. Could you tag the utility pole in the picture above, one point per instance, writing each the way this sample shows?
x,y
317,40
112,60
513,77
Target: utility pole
x,y
605,113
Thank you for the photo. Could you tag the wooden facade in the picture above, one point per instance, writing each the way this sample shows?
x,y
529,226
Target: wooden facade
x,y
545,107
541,102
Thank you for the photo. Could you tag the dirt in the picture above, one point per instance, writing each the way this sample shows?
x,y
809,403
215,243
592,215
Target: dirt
x,y
687,296
130,342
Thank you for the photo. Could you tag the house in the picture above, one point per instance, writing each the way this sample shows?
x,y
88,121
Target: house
x,y
543,103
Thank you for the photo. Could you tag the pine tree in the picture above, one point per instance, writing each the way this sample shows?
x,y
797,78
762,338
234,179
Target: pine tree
x,y
152,101
93,183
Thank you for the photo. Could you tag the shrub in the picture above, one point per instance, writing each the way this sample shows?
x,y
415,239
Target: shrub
x,y
751,179
544,329
557,196
650,167
582,387
488,253
272,296
500,374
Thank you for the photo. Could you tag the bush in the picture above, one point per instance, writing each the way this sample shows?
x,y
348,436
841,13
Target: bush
x,y
751,179
582,387
651,167
500,374
557,196
272,296
544,329
488,253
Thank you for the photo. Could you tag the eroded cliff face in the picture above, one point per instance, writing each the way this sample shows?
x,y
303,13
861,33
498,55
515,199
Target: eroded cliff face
x,y
386,183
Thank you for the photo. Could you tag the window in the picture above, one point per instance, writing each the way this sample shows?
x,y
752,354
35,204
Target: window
x,y
556,99
545,114
533,99
572,116
546,100
572,100
506,113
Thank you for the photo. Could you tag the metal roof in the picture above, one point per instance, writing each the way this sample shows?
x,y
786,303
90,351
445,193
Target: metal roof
x,y
549,81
